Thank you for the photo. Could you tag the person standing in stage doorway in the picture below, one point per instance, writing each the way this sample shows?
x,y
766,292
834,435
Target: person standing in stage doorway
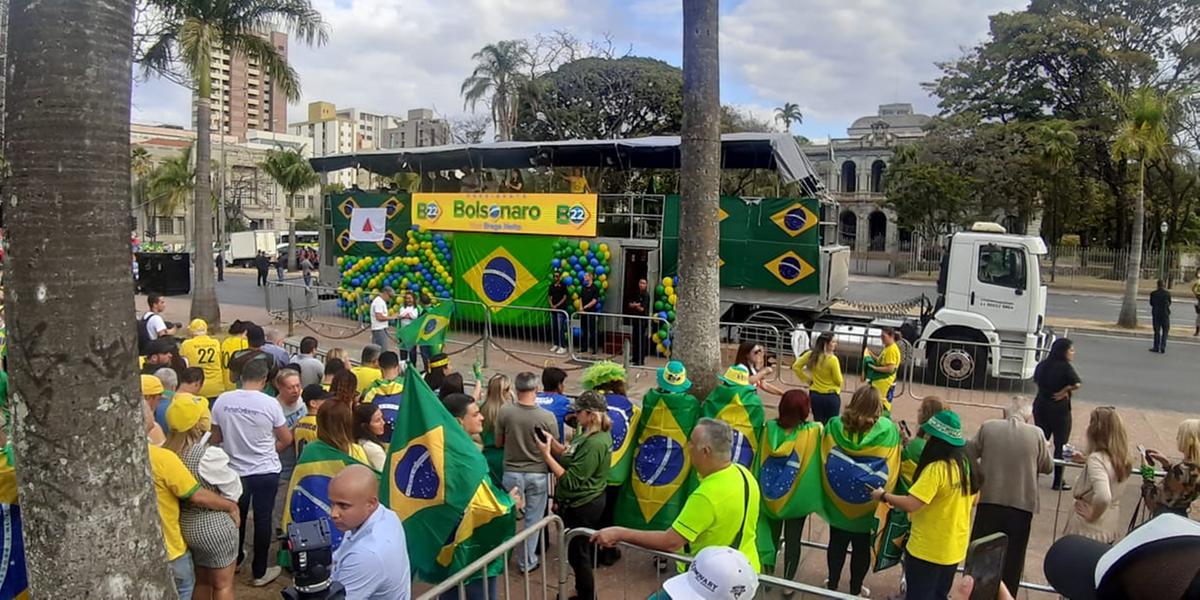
x,y
1160,313
639,307
558,319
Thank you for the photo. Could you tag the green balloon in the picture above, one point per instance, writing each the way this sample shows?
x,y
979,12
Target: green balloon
x,y
659,290
590,269
659,307
663,333
671,315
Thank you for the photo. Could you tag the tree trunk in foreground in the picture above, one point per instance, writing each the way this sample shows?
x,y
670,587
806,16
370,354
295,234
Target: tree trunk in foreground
x,y
1133,271
90,518
696,340
204,278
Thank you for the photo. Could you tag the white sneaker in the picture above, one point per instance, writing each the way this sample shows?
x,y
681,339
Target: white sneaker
x,y
561,350
271,574
554,349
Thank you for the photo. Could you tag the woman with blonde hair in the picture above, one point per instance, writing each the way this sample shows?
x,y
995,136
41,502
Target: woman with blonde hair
x,y
335,427
338,353
1180,488
821,371
1099,487
499,393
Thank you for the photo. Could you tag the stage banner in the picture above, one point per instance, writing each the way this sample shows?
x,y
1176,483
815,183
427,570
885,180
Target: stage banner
x,y
354,237
503,271
572,215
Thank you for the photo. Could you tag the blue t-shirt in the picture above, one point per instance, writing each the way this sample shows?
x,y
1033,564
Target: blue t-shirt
x,y
557,404
160,412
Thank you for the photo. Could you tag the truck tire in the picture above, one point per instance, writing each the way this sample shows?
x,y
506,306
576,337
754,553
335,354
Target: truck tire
x,y
956,364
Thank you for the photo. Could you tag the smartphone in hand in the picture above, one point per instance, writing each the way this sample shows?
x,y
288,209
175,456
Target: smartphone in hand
x,y
985,563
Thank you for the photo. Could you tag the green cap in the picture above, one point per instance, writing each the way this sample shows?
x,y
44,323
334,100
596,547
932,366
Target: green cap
x,y
945,426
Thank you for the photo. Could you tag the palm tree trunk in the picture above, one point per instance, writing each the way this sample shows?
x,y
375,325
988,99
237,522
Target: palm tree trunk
x,y
291,257
696,339
1128,317
88,506
204,285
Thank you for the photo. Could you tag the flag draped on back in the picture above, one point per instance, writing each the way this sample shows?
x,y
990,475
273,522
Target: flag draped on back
x,y
661,465
624,416
387,394
437,481
429,329
790,471
308,491
14,580
740,406
854,464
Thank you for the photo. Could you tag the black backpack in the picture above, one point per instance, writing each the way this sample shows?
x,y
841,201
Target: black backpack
x,y
143,335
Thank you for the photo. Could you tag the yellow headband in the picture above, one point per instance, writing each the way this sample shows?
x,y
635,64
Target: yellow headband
x,y
439,363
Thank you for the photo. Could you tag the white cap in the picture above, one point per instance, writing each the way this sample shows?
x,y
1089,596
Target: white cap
x,y
718,573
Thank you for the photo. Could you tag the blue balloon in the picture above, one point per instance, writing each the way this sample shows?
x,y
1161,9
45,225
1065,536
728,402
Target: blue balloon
x,y
594,262
416,227
666,343
573,260
357,281
591,255
601,270
568,280
576,331
555,263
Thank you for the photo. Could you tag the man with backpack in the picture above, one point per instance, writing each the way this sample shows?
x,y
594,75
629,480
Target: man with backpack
x,y
151,325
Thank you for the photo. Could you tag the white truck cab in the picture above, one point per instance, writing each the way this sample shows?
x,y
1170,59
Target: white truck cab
x,y
991,309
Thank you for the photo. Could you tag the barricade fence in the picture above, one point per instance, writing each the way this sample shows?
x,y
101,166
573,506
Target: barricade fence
x,y
458,582
317,308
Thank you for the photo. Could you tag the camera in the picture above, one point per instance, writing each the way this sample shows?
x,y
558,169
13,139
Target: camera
x,y
311,548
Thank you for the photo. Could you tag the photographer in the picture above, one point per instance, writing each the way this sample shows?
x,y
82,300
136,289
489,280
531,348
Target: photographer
x,y
372,561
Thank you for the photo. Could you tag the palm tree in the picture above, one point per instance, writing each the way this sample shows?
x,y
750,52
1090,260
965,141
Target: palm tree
x,y
789,113
1143,135
293,173
170,185
1056,142
700,183
79,442
194,30
497,76
140,166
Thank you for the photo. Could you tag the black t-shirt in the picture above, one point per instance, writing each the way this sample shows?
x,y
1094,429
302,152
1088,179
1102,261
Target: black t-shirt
x,y
1160,303
558,295
642,298
1052,376
586,295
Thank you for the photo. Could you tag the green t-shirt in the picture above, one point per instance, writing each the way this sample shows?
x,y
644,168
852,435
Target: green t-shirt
x,y
586,461
712,514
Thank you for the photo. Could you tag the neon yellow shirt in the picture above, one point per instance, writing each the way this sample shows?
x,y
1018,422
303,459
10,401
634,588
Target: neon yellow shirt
x,y
889,356
304,432
578,184
366,376
205,352
712,514
941,529
826,378
228,346
172,483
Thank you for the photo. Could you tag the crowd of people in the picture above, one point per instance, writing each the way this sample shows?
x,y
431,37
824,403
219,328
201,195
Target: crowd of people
x,y
230,420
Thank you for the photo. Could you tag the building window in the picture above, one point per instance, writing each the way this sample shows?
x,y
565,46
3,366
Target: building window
x,y
878,169
849,176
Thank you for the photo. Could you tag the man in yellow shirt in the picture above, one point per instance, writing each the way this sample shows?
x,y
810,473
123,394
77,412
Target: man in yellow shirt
x,y
204,351
305,430
387,390
235,342
886,367
368,371
722,511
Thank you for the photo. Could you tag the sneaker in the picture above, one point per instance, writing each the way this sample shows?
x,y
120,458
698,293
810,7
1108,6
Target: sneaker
x,y
561,350
268,577
554,349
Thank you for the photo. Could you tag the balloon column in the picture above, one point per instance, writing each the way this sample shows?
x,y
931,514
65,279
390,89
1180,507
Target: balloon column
x,y
424,266
664,309
574,258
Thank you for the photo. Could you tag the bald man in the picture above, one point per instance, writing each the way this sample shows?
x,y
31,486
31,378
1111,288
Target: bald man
x,y
372,562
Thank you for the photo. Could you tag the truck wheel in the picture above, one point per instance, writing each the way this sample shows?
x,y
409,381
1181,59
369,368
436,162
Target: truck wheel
x,y
956,364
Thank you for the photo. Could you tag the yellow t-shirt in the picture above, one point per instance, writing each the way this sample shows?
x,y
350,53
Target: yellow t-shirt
x,y
826,378
304,432
228,346
205,352
578,185
889,356
713,512
941,529
366,376
357,452
172,483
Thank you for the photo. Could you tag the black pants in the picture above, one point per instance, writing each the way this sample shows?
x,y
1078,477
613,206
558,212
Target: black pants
x,y
1013,522
262,278
1054,418
1161,326
637,346
860,560
579,552
825,406
588,333
259,491
609,556
792,530
926,580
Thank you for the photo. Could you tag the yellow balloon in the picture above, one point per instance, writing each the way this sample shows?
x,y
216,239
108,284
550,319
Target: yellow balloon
x,y
604,247
673,298
578,304
666,281
670,291
604,285
584,245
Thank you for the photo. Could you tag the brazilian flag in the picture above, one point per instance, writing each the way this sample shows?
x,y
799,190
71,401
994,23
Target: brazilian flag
x,y
624,416
499,271
388,394
661,464
790,471
308,492
740,406
14,580
437,481
854,464
429,329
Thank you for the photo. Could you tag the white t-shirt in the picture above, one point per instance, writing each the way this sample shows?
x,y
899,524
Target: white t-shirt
x,y
378,305
154,325
408,314
248,419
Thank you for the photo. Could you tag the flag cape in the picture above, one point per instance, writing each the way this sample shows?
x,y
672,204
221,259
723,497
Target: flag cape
x,y
853,466
388,394
14,580
624,416
308,491
437,481
741,407
909,458
892,527
429,329
790,471
660,480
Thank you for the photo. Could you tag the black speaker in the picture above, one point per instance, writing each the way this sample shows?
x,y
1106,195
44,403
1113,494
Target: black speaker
x,y
169,274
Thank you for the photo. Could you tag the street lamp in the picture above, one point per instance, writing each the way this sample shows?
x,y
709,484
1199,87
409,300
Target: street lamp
x,y
1162,251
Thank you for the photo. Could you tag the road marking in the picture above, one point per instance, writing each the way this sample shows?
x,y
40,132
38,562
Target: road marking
x,y
1140,339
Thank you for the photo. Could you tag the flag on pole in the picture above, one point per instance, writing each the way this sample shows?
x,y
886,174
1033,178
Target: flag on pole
x,y
437,481
854,464
429,329
740,406
661,465
790,472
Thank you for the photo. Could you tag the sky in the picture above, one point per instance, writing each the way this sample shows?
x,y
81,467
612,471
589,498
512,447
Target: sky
x,y
837,59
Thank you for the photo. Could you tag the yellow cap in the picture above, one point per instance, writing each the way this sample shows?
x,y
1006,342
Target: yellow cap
x,y
185,412
151,386
198,327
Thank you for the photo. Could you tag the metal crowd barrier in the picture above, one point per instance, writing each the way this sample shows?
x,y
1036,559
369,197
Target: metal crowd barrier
x,y
460,580
316,307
